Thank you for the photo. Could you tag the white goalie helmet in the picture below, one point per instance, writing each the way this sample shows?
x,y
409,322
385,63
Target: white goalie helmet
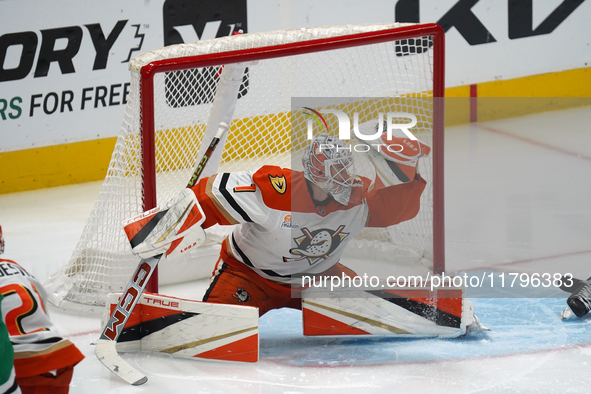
x,y
328,163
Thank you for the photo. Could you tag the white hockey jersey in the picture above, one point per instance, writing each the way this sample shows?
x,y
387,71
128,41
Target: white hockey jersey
x,y
38,347
282,233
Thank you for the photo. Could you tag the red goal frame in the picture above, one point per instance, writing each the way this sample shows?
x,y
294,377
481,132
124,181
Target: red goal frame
x,y
148,72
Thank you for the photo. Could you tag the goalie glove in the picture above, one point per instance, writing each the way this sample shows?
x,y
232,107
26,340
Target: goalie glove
x,y
161,231
395,159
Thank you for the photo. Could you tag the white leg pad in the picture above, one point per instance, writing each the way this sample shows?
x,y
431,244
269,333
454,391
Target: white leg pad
x,y
188,329
404,312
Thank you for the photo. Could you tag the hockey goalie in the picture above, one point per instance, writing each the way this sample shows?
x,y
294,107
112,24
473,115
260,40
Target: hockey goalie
x,y
289,224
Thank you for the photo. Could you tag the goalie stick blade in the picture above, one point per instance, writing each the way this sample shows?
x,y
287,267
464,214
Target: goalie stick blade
x,y
106,352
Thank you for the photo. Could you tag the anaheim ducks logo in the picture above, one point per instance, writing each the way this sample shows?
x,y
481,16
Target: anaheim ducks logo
x,y
278,183
241,295
316,245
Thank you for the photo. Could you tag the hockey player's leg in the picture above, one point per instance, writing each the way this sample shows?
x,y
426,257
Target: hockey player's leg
x,y
229,285
57,382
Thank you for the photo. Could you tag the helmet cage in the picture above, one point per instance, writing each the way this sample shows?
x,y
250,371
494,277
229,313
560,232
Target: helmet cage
x,y
328,162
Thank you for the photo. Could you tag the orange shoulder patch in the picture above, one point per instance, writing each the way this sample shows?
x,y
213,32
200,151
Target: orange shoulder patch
x,y
275,185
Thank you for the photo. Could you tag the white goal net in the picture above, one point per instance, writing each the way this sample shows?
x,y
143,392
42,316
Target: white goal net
x,y
356,68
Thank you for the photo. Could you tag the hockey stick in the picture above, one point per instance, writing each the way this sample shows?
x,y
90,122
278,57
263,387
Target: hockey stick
x,y
105,349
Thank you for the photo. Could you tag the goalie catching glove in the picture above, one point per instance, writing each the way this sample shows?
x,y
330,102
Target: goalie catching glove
x,y
176,228
395,159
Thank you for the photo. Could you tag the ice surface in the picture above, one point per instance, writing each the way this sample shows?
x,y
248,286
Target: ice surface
x,y
517,201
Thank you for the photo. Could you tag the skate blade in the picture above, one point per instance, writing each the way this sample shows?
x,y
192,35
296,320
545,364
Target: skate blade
x,y
566,313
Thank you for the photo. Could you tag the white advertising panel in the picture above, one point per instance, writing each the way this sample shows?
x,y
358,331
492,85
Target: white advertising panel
x,y
63,64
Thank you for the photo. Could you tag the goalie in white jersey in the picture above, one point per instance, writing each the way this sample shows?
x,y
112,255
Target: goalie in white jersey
x,y
43,360
291,223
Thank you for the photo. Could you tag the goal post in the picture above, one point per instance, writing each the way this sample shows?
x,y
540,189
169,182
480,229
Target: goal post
x,y
172,93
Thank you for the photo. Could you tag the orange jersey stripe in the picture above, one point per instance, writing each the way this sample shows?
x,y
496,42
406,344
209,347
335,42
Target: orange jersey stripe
x,y
252,188
60,355
214,211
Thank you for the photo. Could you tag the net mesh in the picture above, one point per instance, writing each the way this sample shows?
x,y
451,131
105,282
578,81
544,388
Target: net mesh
x,y
394,76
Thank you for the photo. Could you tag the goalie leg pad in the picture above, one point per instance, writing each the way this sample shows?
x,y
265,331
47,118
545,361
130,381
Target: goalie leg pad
x,y
160,231
406,312
190,329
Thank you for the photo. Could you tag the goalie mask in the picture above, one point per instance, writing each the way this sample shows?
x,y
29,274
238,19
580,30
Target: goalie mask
x,y
328,163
